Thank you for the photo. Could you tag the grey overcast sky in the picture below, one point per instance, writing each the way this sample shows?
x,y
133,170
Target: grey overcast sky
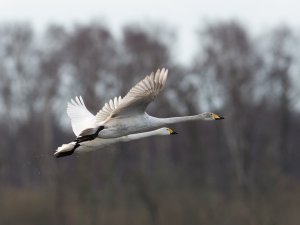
x,y
182,15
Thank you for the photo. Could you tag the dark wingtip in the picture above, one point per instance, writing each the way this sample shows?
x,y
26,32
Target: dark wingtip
x,y
174,132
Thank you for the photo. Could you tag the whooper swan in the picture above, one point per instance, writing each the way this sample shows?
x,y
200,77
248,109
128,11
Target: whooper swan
x,y
123,116
98,143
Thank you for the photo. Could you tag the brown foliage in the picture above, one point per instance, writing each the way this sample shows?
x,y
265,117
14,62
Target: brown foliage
x,y
243,170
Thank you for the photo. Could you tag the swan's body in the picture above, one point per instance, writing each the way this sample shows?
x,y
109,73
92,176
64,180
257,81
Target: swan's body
x,y
98,143
141,123
124,116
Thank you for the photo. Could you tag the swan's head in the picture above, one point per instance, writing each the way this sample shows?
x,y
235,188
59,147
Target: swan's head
x,y
211,116
166,131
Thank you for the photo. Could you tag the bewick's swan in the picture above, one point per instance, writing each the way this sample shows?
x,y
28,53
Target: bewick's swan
x,y
98,143
124,116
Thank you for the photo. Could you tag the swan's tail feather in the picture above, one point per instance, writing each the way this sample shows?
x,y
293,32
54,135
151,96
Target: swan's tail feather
x,y
66,149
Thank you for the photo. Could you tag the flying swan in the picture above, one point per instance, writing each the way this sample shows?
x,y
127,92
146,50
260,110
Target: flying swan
x,y
123,116
97,143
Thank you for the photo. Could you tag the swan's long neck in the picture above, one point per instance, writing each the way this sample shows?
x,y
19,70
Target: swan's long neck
x,y
132,137
172,120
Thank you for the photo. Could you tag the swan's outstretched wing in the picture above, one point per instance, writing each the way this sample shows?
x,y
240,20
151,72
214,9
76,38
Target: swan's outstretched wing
x,y
108,109
137,99
81,117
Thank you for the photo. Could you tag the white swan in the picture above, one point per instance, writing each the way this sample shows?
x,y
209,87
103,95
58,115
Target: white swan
x,y
97,143
123,116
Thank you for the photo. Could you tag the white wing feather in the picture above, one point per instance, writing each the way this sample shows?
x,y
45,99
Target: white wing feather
x,y
137,99
108,109
81,117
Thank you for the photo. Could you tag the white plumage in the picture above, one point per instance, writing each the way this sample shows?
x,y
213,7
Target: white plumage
x,y
81,117
120,116
124,116
99,143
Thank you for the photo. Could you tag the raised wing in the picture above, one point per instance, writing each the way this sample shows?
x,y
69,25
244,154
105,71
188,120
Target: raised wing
x,y
81,117
108,109
137,99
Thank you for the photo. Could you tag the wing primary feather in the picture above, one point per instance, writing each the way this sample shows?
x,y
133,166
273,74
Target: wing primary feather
x,y
157,74
160,76
77,101
82,102
151,76
142,85
165,77
73,102
156,78
111,104
137,99
81,118
115,102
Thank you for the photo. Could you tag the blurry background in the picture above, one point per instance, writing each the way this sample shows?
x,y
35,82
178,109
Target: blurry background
x,y
235,58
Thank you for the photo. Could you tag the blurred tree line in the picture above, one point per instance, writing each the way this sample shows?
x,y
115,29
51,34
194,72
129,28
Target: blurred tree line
x,y
243,170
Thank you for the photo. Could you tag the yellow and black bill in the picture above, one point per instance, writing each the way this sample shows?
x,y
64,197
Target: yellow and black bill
x,y
172,131
217,117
